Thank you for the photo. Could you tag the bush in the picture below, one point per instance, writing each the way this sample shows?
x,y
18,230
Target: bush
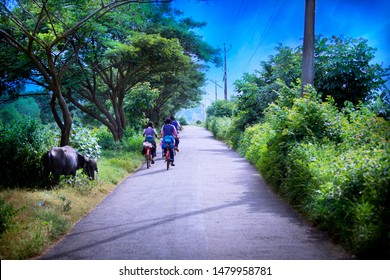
x,y
105,138
132,140
85,141
133,143
23,142
334,166
220,127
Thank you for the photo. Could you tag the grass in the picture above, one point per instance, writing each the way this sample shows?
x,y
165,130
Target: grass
x,y
41,217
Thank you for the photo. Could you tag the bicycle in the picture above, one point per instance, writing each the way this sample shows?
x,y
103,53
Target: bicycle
x,y
148,153
167,155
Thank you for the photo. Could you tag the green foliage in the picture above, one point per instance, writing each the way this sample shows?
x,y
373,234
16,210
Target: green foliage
x,y
20,107
220,127
23,143
84,140
182,120
133,143
220,108
101,52
105,139
8,114
258,90
332,165
140,99
14,69
7,212
345,72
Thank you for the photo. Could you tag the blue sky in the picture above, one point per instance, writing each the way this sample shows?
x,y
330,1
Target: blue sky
x,y
254,28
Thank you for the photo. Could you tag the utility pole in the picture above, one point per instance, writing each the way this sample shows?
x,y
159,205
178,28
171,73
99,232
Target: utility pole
x,y
308,45
215,83
224,70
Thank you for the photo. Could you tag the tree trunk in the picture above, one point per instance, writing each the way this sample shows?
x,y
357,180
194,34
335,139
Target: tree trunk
x,y
65,125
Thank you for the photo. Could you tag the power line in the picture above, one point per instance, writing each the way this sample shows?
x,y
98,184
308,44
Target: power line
x,y
216,84
270,22
259,17
236,19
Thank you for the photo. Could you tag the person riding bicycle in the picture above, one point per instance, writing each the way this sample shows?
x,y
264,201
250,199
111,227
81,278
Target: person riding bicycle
x,y
176,124
150,135
168,134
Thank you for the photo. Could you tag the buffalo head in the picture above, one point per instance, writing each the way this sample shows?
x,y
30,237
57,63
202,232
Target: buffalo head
x,y
90,167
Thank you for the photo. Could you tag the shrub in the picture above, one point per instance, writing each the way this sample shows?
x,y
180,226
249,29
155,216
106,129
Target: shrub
x,y
105,138
84,140
133,143
132,140
334,166
220,127
23,142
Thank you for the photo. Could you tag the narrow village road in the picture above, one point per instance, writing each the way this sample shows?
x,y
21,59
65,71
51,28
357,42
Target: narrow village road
x,y
212,205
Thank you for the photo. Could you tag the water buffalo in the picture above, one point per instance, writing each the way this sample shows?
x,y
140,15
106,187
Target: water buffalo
x,y
66,161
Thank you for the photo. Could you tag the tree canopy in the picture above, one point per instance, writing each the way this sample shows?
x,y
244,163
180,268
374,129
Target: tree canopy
x,y
92,53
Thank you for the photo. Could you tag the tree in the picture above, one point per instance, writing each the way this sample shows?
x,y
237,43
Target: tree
x,y
138,102
99,82
50,36
179,89
220,108
130,48
170,24
258,90
14,69
344,70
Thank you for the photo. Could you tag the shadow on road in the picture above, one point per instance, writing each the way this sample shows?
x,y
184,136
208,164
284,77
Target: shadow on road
x,y
122,230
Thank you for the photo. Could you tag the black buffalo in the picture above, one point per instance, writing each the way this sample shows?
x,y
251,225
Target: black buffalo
x,y
66,161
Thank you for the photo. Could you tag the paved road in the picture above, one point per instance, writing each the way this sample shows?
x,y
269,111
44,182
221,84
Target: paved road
x,y
212,205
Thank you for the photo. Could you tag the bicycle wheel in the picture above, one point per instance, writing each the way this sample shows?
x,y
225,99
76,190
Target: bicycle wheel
x,y
147,156
167,157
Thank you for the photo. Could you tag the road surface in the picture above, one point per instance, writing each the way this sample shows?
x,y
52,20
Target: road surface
x,y
213,205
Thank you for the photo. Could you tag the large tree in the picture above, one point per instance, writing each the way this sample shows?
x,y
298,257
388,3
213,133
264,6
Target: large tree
x,y
50,36
100,81
128,48
179,89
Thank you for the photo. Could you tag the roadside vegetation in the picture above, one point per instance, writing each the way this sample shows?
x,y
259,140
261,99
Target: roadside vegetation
x,y
34,214
327,152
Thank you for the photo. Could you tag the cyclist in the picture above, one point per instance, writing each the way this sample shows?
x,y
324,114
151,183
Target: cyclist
x,y
168,134
176,124
150,135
